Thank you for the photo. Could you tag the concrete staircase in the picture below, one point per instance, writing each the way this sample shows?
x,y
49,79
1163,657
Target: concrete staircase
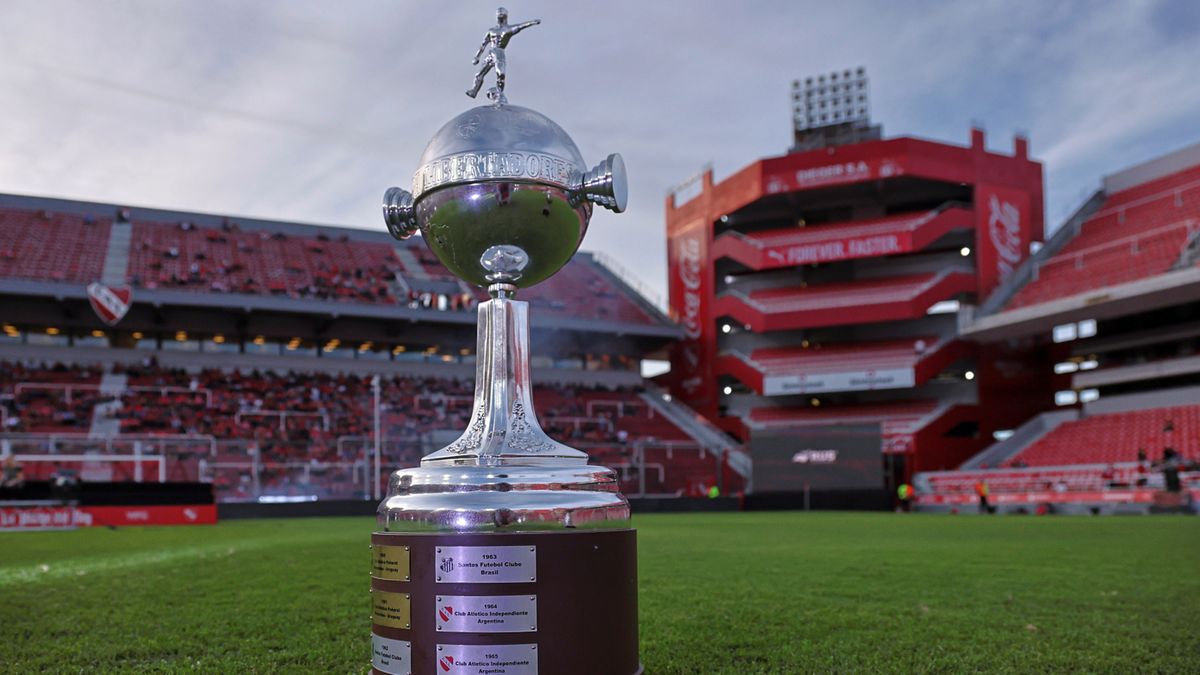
x,y
702,431
1190,255
116,258
412,268
1027,434
104,420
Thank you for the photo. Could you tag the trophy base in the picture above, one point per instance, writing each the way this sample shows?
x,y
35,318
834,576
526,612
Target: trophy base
x,y
517,603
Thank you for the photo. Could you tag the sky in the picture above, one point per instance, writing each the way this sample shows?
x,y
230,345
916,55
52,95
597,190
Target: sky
x,y
307,111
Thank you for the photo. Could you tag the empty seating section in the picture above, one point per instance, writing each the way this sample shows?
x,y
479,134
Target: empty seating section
x,y
792,236
1117,437
430,266
232,260
1137,233
51,246
827,242
1083,478
228,260
288,420
843,294
581,291
840,357
50,407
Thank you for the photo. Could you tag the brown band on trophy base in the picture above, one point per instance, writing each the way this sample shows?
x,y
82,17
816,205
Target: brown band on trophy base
x,y
585,590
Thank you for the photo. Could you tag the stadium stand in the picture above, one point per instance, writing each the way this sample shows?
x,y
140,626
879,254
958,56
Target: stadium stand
x,y
52,246
825,286
901,297
905,232
582,290
1117,437
270,334
271,422
1137,233
1057,480
882,364
229,260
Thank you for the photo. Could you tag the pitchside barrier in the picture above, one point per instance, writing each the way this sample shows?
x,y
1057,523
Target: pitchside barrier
x,y
50,505
338,469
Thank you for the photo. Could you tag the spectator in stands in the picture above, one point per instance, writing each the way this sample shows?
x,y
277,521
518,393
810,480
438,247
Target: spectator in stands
x,y
12,474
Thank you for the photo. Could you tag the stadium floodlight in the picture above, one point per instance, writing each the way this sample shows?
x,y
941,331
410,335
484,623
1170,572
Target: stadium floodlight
x,y
833,109
476,539
840,98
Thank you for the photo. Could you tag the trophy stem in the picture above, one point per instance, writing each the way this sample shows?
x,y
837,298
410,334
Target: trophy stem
x,y
504,427
502,291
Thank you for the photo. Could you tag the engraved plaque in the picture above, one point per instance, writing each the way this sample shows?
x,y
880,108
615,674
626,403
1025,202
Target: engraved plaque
x,y
486,613
486,564
391,656
391,609
487,659
389,562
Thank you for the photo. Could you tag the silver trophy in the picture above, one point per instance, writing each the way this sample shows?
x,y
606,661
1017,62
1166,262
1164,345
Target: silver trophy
x,y
504,517
503,197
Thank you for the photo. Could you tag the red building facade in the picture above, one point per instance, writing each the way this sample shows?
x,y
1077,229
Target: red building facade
x,y
804,284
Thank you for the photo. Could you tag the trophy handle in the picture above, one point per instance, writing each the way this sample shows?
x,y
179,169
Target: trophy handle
x,y
607,184
398,213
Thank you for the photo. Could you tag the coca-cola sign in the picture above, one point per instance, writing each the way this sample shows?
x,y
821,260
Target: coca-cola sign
x,y
1003,233
691,295
688,257
1004,229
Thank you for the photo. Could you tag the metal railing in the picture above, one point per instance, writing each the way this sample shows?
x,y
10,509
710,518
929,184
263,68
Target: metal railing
x,y
282,415
619,406
1025,271
249,470
70,389
648,293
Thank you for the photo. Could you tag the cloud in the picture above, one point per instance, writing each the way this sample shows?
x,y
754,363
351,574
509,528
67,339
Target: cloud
x,y
308,110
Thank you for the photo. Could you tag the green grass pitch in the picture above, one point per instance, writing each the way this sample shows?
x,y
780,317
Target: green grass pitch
x,y
720,593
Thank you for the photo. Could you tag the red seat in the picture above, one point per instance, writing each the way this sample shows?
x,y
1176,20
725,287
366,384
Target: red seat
x,y
1117,437
1137,233
52,246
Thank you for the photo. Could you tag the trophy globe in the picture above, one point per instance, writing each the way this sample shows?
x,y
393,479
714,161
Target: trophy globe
x,y
502,196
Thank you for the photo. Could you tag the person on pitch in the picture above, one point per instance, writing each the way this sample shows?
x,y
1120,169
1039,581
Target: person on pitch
x,y
904,494
982,491
491,52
